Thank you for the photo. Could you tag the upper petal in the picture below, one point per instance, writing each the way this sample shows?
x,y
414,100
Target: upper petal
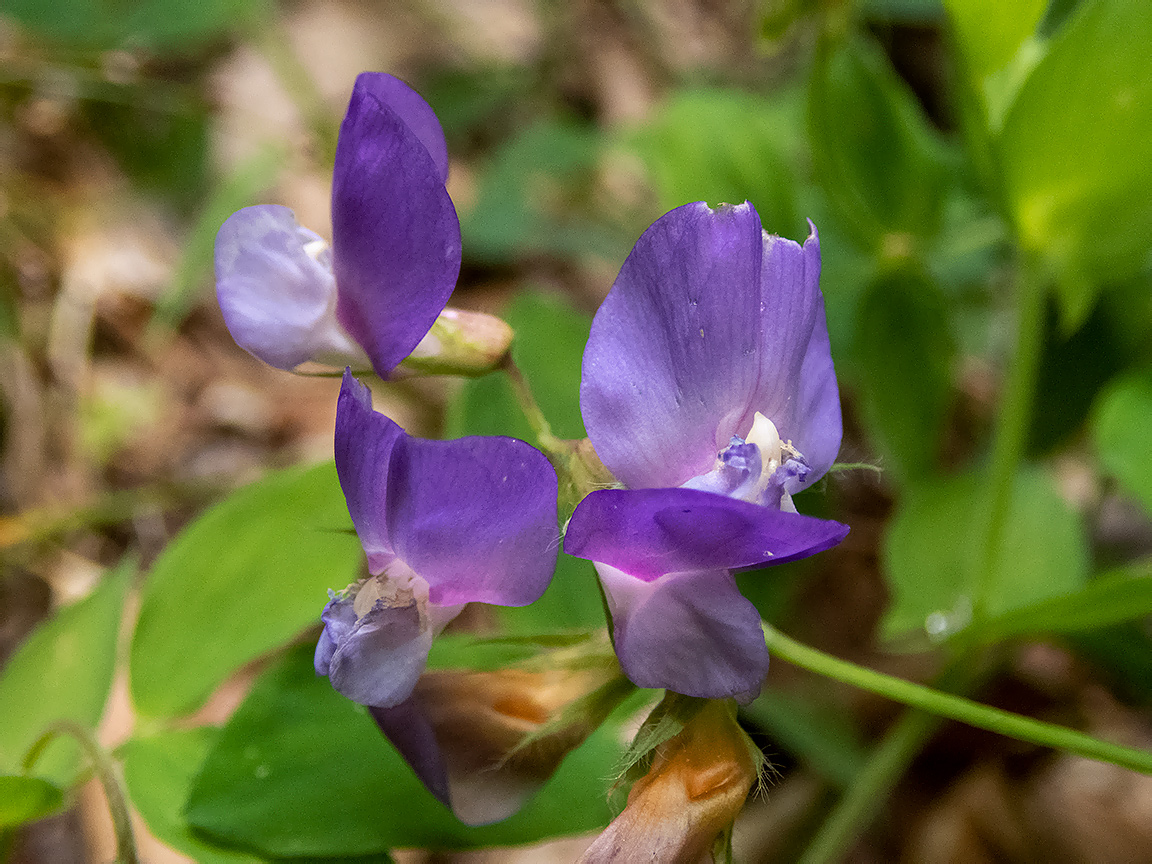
x,y
395,235
278,301
413,110
671,361
474,517
797,385
650,532
709,321
693,633
364,443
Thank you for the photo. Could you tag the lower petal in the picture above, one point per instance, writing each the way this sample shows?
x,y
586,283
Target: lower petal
x,y
692,633
380,661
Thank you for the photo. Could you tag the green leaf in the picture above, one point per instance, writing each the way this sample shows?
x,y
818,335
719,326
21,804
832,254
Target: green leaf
x,y
62,671
931,551
873,151
905,351
161,149
725,146
1077,156
1122,430
156,24
1114,598
533,198
247,576
300,770
158,770
26,799
990,32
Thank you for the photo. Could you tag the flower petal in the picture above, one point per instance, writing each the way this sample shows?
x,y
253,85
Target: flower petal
x,y
671,363
278,301
413,110
380,660
410,732
395,235
474,517
709,321
692,633
339,621
797,388
364,443
650,532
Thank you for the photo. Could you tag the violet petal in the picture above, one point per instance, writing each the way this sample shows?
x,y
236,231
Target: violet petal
x,y
413,110
278,301
692,633
474,517
410,732
650,532
395,235
364,443
671,362
798,390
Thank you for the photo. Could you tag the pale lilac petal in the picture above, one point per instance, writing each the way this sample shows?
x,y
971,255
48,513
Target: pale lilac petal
x,y
650,532
413,110
475,518
380,659
692,633
411,733
278,301
395,235
364,443
672,360
339,621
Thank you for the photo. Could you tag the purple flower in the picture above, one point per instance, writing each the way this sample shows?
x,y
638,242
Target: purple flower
x,y
443,523
289,298
708,390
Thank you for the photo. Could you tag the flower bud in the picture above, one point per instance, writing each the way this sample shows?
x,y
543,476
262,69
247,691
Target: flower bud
x,y
696,785
500,735
461,343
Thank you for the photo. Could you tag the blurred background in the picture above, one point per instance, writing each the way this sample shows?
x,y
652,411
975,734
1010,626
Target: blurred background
x,y
944,155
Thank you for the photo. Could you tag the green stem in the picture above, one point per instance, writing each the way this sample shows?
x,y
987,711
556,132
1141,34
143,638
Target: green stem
x,y
106,772
554,447
1011,433
956,707
864,798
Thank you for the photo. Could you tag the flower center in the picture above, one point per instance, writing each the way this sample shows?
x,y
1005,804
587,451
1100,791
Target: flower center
x,y
397,587
762,468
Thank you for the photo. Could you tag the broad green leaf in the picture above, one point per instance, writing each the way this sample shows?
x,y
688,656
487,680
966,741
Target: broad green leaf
x,y
872,149
247,576
534,198
26,799
572,602
101,24
548,349
1077,153
159,770
1107,600
62,671
933,543
905,353
725,146
1122,429
990,32
300,770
